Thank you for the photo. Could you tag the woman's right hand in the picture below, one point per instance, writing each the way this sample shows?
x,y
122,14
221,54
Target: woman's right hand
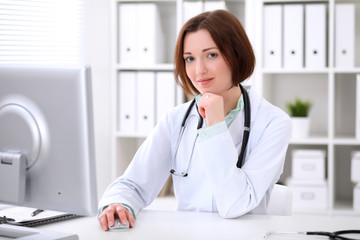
x,y
107,217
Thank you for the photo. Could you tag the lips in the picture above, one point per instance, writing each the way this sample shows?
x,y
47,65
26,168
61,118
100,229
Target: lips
x,y
205,81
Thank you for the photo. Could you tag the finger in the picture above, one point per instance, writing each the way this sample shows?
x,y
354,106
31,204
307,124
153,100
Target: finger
x,y
110,216
121,212
202,112
103,222
131,218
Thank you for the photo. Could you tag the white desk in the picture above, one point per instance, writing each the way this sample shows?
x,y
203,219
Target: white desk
x,y
193,225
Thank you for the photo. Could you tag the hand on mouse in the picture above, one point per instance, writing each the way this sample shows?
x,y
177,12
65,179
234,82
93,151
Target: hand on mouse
x,y
107,217
211,108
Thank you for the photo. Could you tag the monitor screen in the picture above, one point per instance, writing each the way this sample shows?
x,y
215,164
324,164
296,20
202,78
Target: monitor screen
x,y
46,138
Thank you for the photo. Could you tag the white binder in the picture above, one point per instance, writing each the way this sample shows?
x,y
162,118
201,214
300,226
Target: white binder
x,y
315,36
213,5
293,36
127,33
344,35
357,120
150,34
165,93
191,9
127,102
140,34
273,36
146,102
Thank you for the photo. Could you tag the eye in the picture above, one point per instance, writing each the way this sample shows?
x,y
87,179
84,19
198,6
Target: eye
x,y
189,59
212,55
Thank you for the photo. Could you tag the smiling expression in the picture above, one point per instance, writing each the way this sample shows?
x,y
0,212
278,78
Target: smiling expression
x,y
205,66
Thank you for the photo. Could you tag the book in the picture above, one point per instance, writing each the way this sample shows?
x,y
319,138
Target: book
x,y
23,216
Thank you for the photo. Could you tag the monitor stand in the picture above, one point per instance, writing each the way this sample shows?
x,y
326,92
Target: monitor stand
x,y
25,233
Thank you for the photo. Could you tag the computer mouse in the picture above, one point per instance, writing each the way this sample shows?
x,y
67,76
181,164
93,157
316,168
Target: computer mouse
x,y
119,226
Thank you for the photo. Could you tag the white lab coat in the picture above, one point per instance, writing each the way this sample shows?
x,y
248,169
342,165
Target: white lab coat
x,y
214,183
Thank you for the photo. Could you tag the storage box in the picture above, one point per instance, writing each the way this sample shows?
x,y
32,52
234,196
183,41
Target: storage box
x,y
308,165
355,167
309,195
356,202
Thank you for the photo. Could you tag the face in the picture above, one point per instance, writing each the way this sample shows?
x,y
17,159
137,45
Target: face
x,y
205,65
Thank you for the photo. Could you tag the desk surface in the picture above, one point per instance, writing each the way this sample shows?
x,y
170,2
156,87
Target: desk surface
x,y
194,225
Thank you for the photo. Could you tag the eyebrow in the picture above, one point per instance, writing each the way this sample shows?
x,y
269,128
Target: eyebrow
x,y
204,50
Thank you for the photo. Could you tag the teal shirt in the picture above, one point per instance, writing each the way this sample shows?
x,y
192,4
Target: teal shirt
x,y
208,132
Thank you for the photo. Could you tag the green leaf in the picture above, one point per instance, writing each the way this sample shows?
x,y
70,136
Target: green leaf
x,y
299,108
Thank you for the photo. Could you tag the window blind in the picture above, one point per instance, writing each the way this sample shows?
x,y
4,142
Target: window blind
x,y
42,31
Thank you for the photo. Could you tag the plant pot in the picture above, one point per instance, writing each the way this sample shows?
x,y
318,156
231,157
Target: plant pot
x,y
300,127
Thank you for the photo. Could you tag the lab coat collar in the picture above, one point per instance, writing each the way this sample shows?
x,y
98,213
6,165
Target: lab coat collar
x,y
236,127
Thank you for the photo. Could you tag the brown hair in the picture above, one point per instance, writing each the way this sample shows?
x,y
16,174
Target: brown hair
x,y
231,39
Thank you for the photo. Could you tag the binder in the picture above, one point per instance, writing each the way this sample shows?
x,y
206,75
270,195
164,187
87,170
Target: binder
x,y
344,35
357,120
273,36
150,34
213,5
293,36
146,102
127,33
127,102
191,9
165,93
315,36
140,34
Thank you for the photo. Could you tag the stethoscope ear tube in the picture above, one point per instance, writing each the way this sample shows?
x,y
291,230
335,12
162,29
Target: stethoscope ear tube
x,y
247,113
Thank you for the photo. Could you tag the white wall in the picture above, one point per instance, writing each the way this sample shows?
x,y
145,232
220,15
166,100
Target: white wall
x,y
98,56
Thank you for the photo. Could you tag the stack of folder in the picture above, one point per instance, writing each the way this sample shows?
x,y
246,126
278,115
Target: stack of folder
x,y
140,34
192,8
295,36
144,97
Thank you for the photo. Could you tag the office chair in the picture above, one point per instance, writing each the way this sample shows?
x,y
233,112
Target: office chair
x,y
280,201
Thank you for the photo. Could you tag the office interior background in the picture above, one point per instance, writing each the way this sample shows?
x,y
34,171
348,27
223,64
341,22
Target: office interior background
x,y
305,49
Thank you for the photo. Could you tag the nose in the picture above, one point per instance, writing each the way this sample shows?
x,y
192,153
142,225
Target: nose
x,y
200,67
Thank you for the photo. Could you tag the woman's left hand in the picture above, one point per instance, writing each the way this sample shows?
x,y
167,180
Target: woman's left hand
x,y
211,107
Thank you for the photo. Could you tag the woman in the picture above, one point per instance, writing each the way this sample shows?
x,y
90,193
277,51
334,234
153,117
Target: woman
x,y
213,56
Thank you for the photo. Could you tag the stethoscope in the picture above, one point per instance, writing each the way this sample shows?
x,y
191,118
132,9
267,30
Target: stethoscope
x,y
200,123
338,235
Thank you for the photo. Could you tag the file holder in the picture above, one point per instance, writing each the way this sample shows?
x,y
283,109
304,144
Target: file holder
x,y
12,176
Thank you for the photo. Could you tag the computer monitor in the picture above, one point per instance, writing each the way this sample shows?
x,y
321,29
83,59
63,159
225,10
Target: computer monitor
x,y
47,139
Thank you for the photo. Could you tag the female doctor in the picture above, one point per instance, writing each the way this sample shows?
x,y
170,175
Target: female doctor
x,y
212,57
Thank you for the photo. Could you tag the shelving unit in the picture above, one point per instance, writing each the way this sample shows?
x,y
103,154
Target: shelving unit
x,y
331,89
333,116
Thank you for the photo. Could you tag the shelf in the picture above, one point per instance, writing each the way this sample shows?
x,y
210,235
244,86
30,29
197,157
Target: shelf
x,y
350,70
145,1
130,135
154,67
310,140
294,1
295,71
346,141
311,71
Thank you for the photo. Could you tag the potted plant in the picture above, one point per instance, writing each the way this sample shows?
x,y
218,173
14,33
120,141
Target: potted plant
x,y
299,113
